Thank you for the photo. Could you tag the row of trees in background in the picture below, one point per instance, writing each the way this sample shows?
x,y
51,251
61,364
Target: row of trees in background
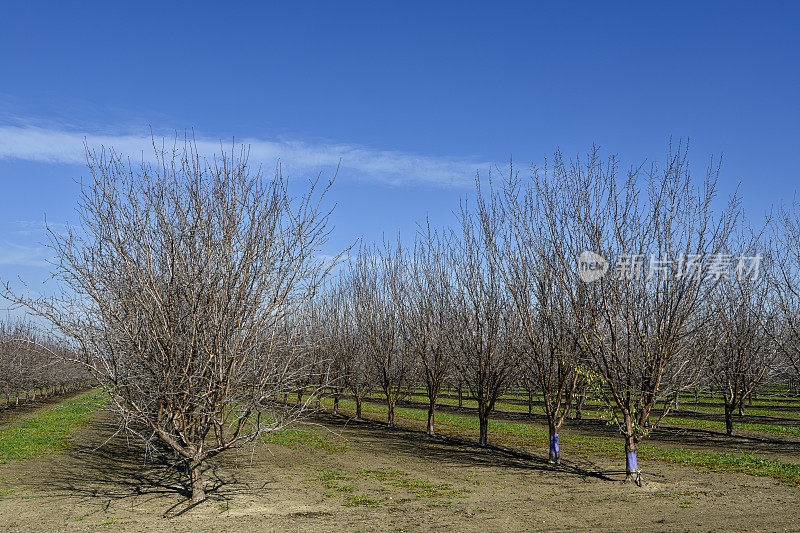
x,y
195,295
34,365
680,294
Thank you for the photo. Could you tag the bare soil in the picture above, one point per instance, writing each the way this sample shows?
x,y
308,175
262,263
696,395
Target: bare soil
x,y
387,479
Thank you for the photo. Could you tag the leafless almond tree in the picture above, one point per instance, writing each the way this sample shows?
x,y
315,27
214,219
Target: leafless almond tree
x,y
484,332
422,291
549,351
786,286
178,282
378,320
351,369
652,229
742,324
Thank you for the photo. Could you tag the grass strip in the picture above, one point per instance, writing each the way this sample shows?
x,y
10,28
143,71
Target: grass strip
x,y
48,432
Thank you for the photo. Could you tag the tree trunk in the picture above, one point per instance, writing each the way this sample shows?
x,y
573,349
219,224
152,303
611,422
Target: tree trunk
x,y
460,395
579,405
358,407
483,417
336,404
431,409
299,396
555,455
632,472
530,402
390,413
198,492
728,418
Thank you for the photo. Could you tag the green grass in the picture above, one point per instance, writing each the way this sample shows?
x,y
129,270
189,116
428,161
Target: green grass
x,y
49,431
744,463
720,425
306,439
395,487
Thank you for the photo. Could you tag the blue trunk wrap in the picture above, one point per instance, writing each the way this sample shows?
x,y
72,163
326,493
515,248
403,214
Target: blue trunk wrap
x,y
554,443
630,461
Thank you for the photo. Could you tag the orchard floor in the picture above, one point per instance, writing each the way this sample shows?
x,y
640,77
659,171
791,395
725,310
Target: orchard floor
x,y
372,478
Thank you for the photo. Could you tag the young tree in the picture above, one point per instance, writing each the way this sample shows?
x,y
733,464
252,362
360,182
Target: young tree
x,y
176,283
742,325
785,253
378,320
550,343
422,291
483,330
350,365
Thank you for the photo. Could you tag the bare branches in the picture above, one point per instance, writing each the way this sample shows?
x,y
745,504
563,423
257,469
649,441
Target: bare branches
x,y
484,333
638,325
183,287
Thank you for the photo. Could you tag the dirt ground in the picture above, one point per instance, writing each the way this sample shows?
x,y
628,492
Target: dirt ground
x,y
385,480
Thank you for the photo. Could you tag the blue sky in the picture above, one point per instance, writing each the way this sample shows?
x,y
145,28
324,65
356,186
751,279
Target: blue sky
x,y
415,97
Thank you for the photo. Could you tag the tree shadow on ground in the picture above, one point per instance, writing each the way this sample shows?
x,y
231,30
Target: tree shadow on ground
x,y
697,438
443,450
103,468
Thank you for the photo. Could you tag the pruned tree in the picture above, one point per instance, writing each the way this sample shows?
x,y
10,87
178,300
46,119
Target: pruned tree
x,y
742,325
550,354
350,364
378,319
180,283
422,293
785,253
484,332
638,324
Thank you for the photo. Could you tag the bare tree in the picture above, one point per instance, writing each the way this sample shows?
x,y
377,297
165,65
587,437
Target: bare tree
x,y
637,323
550,342
742,324
176,283
378,319
350,364
483,321
422,291
743,354
785,253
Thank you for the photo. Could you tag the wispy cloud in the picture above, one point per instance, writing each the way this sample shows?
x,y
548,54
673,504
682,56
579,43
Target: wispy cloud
x,y
39,228
53,145
25,255
24,246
